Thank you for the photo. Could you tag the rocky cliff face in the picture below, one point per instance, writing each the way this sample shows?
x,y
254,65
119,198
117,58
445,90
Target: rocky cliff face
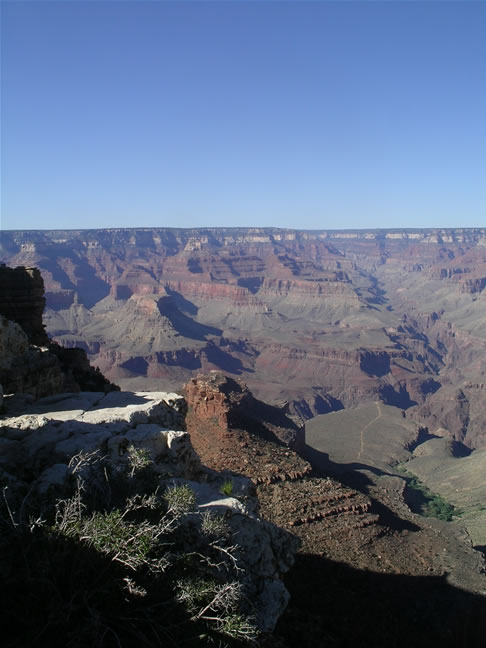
x,y
22,301
25,367
30,363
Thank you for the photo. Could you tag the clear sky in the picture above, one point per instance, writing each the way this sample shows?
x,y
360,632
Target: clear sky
x,y
289,114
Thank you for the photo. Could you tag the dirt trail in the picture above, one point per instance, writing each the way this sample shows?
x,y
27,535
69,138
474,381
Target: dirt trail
x,y
363,430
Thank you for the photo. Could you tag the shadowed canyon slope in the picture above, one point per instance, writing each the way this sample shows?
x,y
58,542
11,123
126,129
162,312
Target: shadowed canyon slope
x,y
322,319
398,579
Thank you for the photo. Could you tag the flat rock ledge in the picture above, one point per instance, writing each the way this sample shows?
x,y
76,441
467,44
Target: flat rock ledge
x,y
38,440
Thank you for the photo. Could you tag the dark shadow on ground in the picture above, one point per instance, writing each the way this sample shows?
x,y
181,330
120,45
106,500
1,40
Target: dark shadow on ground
x,y
137,366
90,288
184,358
346,472
182,303
334,605
58,592
423,436
397,397
225,361
253,284
184,325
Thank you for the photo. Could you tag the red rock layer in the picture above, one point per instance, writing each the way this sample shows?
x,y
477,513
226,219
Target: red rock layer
x,y
226,405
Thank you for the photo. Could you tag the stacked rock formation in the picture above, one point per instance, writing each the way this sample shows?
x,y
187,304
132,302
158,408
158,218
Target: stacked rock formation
x,y
227,402
232,430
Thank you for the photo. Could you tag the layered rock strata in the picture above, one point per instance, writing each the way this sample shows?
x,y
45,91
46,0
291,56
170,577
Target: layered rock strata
x,y
311,507
226,403
323,319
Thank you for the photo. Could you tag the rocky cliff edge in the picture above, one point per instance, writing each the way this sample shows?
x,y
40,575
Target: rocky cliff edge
x,y
41,443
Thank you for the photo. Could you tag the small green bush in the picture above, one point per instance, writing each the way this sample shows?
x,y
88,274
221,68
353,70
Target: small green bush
x,y
180,499
239,627
439,508
226,488
209,600
214,526
433,505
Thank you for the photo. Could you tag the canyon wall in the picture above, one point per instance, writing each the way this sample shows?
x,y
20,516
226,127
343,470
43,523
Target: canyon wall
x,y
319,319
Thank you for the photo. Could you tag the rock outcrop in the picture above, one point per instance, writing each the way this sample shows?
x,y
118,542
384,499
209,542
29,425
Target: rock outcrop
x,y
22,301
226,433
25,367
228,404
30,363
41,444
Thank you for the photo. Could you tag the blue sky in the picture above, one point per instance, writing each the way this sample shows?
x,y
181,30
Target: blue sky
x,y
289,114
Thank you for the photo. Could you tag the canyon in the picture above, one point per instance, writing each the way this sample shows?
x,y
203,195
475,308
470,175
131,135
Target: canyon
x,y
315,321
339,406
322,320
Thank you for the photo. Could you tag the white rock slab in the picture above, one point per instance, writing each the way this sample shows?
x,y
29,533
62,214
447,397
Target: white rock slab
x,y
134,408
19,427
53,476
63,407
82,443
148,436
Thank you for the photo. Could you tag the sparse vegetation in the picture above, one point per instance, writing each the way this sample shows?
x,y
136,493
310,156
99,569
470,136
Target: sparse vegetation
x,y
214,526
110,565
439,508
138,459
180,499
212,601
